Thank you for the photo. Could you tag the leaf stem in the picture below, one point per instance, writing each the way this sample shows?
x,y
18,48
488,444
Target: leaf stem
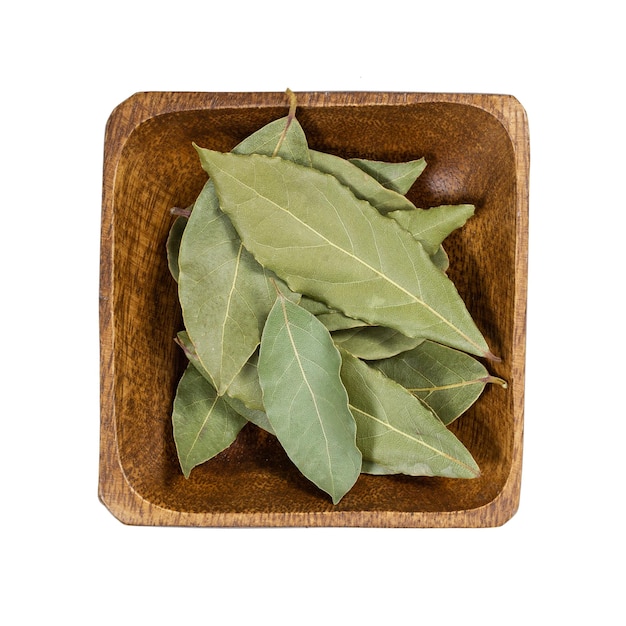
x,y
495,380
181,212
181,345
293,104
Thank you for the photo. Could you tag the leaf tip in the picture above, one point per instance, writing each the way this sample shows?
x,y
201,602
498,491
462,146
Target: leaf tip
x,y
473,470
198,149
179,342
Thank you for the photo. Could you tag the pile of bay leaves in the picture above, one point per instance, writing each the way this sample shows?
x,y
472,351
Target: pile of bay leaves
x,y
316,305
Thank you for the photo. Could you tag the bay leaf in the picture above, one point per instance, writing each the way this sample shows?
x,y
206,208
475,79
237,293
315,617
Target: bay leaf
x,y
244,394
224,293
173,245
370,189
440,259
374,342
349,256
432,226
379,183
246,387
283,137
204,425
447,381
369,467
361,183
254,416
305,400
398,177
331,318
396,433
182,339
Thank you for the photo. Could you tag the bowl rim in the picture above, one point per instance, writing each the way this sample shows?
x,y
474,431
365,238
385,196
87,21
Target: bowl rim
x,y
118,494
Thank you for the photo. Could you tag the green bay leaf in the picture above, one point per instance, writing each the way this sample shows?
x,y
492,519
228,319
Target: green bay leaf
x,y
349,256
204,424
447,381
396,433
305,400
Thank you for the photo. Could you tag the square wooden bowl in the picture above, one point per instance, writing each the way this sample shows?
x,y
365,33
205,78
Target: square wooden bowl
x,y
477,149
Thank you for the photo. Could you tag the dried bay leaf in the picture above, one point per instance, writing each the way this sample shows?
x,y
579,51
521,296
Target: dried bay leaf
x,y
432,226
385,200
369,467
204,424
396,433
378,191
225,296
331,318
374,342
305,400
246,387
447,381
173,245
349,256
224,293
361,183
398,177
440,259
246,397
254,416
244,394
283,137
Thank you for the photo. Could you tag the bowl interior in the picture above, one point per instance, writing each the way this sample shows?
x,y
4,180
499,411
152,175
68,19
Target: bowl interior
x,y
470,159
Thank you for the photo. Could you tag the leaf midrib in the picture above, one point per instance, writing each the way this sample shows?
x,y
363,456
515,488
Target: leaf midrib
x,y
415,439
308,386
227,312
464,383
204,423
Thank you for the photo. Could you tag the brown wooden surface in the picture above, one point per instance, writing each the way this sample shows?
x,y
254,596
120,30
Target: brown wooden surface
x,y
477,149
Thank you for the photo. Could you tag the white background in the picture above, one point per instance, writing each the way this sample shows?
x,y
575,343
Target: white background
x,y
66,558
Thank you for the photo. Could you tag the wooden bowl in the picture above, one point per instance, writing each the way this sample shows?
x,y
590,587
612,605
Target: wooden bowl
x,y
477,149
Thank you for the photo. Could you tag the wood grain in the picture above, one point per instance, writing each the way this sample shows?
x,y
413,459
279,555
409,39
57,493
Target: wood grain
x,y
477,149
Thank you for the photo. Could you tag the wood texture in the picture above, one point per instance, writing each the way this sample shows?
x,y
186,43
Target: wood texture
x,y
477,149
